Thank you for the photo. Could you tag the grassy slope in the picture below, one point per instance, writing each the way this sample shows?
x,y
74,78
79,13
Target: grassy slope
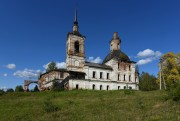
x,y
79,105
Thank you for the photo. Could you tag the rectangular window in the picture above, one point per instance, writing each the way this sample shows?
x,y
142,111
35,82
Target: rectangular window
x,y
129,77
129,67
124,67
61,75
93,87
118,77
77,86
124,77
107,75
94,74
107,87
100,87
101,75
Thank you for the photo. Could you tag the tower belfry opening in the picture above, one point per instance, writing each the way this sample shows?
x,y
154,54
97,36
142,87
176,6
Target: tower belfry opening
x,y
76,47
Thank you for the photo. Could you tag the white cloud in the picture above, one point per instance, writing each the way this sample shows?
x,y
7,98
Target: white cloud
x,y
3,88
46,65
5,75
11,66
144,61
148,56
148,53
95,60
58,64
61,65
27,73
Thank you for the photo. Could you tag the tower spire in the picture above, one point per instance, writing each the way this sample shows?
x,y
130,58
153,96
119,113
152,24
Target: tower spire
x,y
75,26
75,17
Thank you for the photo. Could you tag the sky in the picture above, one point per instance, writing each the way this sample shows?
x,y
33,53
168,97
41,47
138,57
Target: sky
x,y
34,32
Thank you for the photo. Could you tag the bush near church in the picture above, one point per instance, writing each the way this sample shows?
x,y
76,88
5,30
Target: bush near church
x,y
147,82
19,88
1,92
36,89
10,90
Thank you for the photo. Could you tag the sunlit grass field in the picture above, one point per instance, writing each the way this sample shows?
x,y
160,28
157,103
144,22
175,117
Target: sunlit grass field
x,y
86,105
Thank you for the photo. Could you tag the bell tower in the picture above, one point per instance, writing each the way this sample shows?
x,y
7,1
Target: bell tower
x,y
75,54
115,42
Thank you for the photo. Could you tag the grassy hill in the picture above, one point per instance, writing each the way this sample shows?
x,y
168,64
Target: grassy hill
x,y
84,105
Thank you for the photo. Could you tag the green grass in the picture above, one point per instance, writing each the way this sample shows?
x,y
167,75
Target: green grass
x,y
84,105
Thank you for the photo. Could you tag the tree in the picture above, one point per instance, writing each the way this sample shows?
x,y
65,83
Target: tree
x,y
19,88
147,82
1,92
56,86
51,66
10,90
36,89
170,69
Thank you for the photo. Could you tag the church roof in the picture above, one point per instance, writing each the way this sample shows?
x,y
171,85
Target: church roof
x,y
77,33
117,54
57,70
97,65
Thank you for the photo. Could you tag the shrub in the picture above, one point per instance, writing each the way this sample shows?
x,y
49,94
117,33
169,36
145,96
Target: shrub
x,y
147,82
128,91
174,92
10,90
36,89
49,107
19,88
56,86
1,92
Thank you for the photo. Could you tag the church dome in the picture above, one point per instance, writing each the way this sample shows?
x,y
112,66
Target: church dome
x,y
118,54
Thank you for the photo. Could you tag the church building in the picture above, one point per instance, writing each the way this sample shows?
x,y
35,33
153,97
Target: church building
x,y
116,71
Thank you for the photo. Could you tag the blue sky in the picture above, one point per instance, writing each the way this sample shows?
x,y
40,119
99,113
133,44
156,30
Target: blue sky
x,y
33,33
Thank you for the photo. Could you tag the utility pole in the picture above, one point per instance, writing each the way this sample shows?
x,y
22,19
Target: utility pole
x,y
160,74
164,81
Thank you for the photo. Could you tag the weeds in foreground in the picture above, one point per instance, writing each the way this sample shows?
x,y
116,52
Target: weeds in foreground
x,y
48,106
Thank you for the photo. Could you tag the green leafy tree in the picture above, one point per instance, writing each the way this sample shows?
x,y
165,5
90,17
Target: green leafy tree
x,y
36,89
51,66
19,88
10,90
170,69
56,86
1,92
147,82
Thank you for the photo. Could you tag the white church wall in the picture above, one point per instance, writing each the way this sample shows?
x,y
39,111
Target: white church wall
x,y
89,73
88,84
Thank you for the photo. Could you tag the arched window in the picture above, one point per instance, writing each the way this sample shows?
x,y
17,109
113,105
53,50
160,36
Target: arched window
x,y
76,47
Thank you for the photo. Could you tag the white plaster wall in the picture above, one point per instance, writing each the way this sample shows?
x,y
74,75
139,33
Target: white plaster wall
x,y
89,73
88,84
